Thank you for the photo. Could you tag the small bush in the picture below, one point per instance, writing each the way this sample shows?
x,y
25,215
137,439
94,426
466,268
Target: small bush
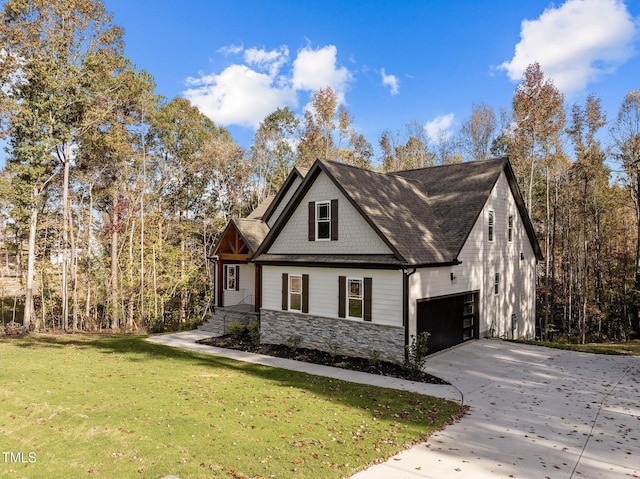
x,y
294,342
236,329
417,353
253,330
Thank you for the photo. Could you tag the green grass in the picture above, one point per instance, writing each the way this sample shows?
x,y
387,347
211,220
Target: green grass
x,y
628,348
120,407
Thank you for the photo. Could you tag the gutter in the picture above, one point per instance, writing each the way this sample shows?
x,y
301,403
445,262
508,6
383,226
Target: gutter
x,y
405,304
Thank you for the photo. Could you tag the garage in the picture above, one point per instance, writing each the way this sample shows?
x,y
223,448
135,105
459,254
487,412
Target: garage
x,y
450,320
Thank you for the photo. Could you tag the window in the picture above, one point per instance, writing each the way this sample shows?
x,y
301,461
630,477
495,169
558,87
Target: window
x,y
355,297
231,276
510,229
323,220
295,292
491,225
496,284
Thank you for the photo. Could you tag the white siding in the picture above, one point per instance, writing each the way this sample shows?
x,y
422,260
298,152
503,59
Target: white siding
x,y
246,291
386,286
481,259
355,236
284,201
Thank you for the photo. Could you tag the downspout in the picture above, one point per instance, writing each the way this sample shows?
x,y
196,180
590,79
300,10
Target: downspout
x,y
405,305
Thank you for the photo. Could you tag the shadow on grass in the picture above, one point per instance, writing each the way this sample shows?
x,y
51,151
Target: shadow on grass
x,y
416,409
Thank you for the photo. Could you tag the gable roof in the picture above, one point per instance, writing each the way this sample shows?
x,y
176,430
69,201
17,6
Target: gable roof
x,y
425,215
251,232
296,172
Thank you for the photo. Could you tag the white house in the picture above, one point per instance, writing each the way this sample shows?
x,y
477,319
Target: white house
x,y
360,261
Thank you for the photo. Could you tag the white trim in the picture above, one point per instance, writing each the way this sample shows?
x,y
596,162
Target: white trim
x,y
348,298
289,292
326,203
227,268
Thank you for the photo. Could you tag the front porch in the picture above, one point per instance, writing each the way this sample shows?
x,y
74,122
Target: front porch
x,y
218,322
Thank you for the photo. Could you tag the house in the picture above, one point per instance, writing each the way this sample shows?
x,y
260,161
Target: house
x,y
359,261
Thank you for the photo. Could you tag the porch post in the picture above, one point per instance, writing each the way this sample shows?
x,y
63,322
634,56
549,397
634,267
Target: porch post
x,y
220,283
258,289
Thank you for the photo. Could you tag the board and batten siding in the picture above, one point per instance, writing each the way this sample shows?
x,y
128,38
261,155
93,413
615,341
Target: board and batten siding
x,y
386,291
355,235
480,260
284,201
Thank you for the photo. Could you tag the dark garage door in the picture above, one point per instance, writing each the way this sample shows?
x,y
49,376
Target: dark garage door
x,y
450,320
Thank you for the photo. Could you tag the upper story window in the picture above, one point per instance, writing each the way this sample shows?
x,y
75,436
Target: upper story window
x,y
510,229
491,225
496,284
323,220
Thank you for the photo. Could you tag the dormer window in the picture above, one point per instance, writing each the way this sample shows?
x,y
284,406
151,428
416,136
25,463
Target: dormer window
x,y
323,220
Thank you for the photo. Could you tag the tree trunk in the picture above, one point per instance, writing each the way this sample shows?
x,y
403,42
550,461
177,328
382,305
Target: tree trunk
x,y
31,262
65,243
115,306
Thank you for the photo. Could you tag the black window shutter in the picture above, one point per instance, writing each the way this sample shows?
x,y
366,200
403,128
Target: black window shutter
x,y
312,220
342,291
305,293
334,220
285,291
367,299
237,278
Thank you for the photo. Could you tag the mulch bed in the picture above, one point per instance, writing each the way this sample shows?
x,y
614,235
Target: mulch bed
x,y
384,368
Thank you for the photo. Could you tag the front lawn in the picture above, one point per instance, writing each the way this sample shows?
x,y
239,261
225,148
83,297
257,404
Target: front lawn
x,y
626,348
118,406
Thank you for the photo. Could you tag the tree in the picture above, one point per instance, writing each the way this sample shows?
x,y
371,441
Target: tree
x,y
56,52
273,153
536,153
625,134
316,139
407,149
591,176
476,133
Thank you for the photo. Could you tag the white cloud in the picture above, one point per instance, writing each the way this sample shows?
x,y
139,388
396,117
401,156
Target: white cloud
x,y
391,81
243,94
315,69
231,50
270,61
576,43
238,96
439,128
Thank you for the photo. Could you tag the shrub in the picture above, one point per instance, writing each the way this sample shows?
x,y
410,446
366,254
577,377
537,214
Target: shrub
x,y
236,329
294,342
253,329
417,351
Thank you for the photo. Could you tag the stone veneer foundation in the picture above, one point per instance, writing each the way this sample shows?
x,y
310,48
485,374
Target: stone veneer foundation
x,y
342,336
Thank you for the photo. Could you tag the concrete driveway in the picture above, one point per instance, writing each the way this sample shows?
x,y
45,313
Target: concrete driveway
x,y
534,413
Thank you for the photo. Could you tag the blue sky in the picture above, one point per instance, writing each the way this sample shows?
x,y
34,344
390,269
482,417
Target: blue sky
x,y
391,62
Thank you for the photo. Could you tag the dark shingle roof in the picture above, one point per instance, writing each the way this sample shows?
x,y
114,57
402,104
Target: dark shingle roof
x,y
252,231
425,215
261,209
